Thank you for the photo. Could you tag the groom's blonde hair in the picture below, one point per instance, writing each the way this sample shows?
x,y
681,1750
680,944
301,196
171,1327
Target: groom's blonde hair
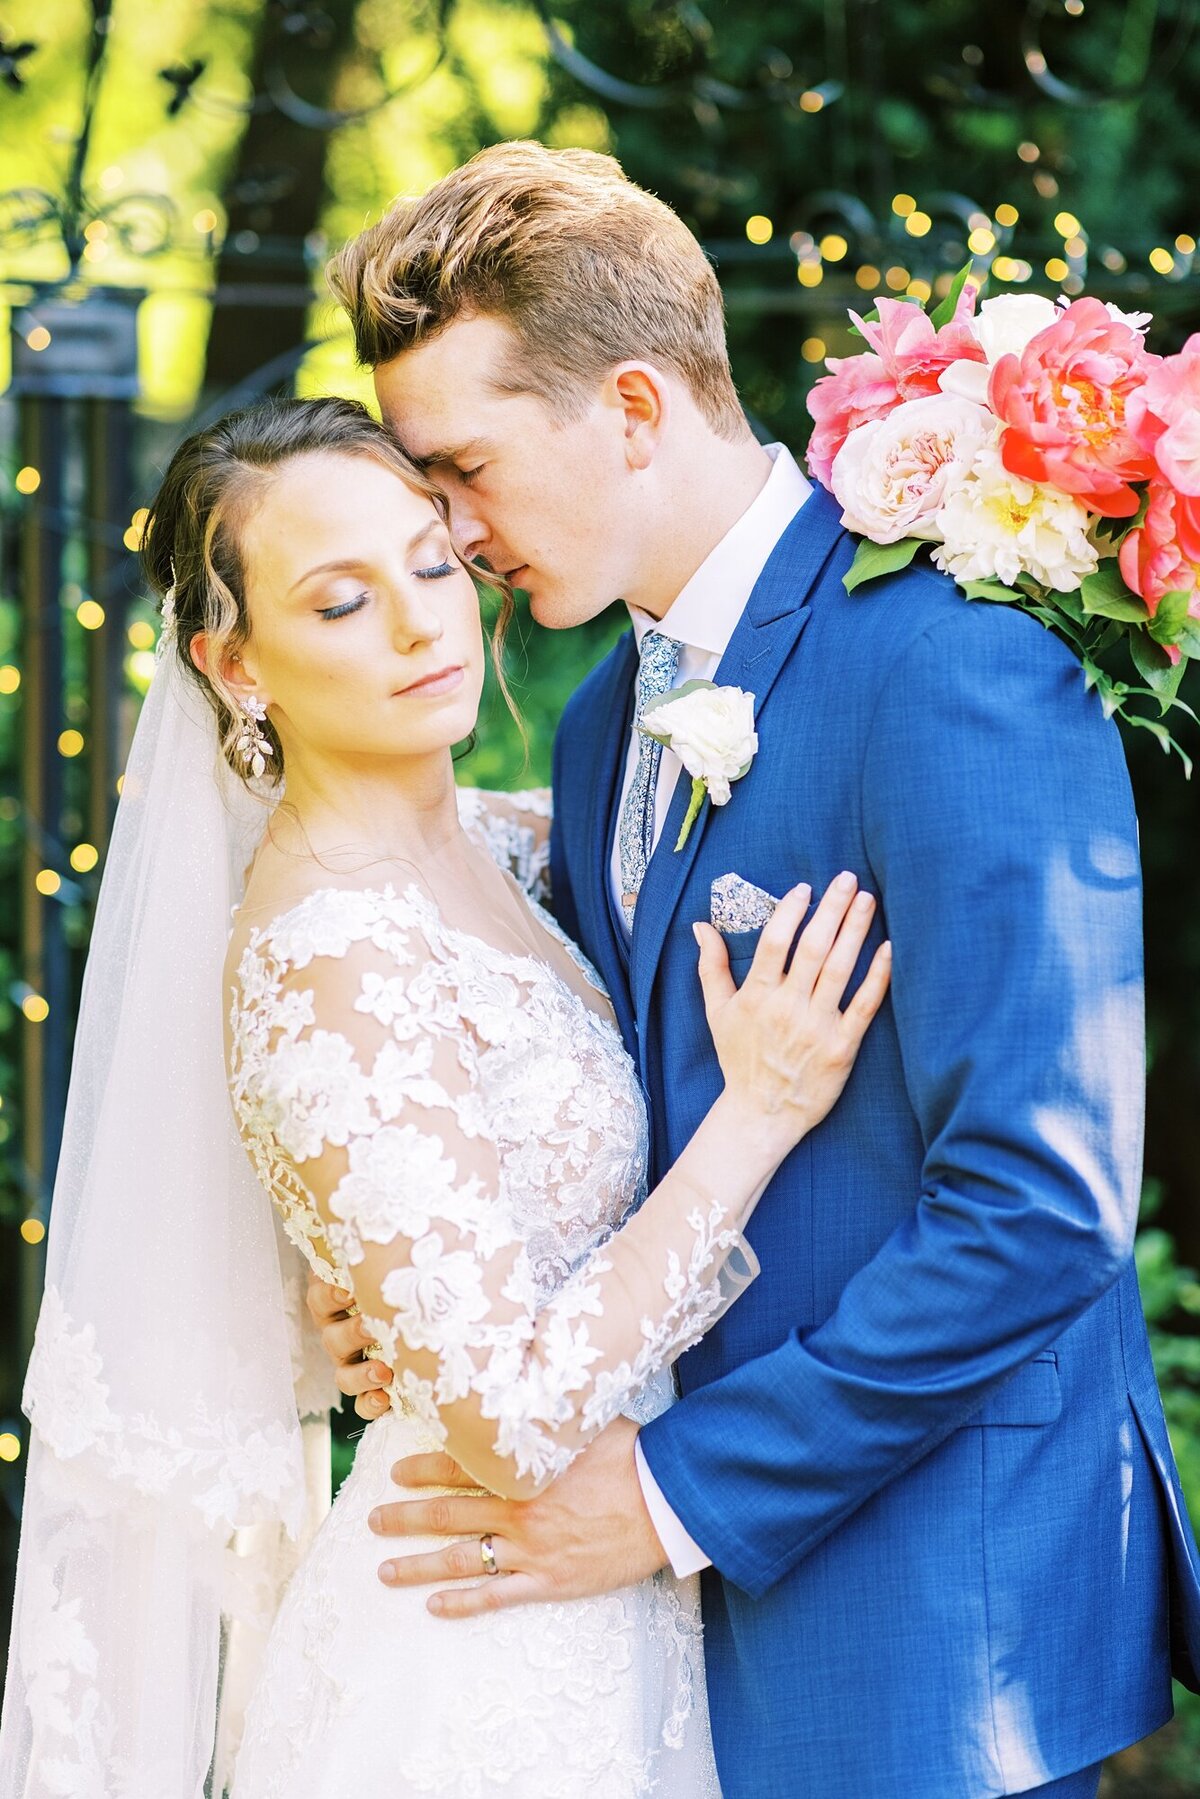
x,y
587,269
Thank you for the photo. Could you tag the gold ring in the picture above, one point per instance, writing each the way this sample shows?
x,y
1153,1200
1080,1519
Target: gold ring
x,y
488,1555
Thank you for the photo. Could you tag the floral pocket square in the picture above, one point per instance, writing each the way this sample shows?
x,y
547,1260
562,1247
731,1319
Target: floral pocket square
x,y
736,905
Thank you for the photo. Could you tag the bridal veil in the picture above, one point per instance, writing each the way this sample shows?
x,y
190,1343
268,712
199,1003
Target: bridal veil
x,y
171,1486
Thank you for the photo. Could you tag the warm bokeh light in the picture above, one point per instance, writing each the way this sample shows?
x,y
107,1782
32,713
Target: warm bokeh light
x,y
810,274
1066,224
84,858
142,634
39,338
811,100
1161,261
896,278
27,480
35,1008
903,205
33,1230
1185,244
833,246
918,289
918,224
759,229
47,881
1006,215
867,277
1057,269
981,241
1028,152
813,349
90,615
10,1446
205,219
10,678
70,743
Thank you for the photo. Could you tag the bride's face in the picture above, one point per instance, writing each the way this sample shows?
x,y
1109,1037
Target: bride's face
x,y
365,633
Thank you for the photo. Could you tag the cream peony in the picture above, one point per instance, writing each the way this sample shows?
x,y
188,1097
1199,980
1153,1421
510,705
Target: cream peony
x,y
1002,327
893,474
711,730
995,526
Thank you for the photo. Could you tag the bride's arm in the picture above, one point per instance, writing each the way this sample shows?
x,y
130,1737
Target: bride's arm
x,y
391,1133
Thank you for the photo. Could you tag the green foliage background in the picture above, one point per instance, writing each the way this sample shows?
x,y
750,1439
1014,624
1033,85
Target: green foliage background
x,y
850,104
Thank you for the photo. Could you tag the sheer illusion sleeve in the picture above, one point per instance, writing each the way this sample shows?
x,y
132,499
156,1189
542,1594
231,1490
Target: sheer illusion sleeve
x,y
515,828
377,1076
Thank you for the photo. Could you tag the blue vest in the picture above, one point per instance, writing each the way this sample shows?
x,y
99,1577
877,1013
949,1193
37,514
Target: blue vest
x,y
925,1450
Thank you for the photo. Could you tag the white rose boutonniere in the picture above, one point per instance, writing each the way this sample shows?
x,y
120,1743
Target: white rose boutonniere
x,y
711,730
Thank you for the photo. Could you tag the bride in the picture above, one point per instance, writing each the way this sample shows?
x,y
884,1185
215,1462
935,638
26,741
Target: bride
x,y
430,1086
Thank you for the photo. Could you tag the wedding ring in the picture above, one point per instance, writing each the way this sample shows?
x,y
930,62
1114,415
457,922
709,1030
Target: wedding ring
x,y
488,1555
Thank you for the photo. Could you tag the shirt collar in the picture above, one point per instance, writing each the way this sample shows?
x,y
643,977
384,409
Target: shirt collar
x,y
704,616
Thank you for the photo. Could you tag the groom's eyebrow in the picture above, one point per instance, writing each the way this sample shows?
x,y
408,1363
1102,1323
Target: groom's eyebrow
x,y
474,446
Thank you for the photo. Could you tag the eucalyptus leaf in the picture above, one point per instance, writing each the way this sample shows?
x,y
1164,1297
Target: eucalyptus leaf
x,y
989,590
871,560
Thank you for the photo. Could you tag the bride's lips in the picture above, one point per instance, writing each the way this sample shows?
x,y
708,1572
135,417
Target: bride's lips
x,y
445,680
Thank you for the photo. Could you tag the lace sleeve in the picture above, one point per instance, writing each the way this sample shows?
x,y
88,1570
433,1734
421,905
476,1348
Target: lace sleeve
x,y
362,1084
515,830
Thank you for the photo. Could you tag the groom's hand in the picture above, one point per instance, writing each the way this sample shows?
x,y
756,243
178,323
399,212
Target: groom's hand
x,y
589,1532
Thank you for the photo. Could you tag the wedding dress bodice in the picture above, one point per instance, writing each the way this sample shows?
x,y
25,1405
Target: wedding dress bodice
x,y
452,1132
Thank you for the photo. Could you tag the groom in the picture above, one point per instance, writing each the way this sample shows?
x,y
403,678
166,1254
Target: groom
x,y
923,1460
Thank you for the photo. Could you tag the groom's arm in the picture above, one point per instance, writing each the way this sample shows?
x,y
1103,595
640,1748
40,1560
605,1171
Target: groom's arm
x,y
1002,837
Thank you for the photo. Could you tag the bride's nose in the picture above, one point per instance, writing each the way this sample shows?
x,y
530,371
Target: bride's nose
x,y
416,620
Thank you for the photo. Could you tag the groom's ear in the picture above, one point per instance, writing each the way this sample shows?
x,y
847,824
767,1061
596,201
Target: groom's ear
x,y
641,393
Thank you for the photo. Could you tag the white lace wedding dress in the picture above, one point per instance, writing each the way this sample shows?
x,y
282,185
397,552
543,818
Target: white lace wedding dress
x,y
452,1130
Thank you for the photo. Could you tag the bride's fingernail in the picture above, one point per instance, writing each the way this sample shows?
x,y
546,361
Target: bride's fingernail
x,y
435,1605
375,1520
387,1574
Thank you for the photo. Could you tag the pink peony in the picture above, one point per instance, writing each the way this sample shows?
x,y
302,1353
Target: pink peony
x,y
1163,555
906,357
1164,416
1064,401
856,390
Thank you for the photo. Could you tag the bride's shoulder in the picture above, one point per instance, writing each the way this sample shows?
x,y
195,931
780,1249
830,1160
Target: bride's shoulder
x,y
514,829
394,922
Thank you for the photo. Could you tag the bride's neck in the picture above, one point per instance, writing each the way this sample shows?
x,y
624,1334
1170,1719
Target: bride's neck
x,y
395,809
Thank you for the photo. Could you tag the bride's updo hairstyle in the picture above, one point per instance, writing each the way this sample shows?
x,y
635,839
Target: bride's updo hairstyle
x,y
192,540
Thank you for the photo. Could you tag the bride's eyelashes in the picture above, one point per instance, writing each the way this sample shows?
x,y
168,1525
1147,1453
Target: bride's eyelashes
x,y
342,611
437,573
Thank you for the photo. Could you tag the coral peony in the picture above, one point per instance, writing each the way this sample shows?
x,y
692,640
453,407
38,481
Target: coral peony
x,y
892,474
1163,554
1064,401
1164,416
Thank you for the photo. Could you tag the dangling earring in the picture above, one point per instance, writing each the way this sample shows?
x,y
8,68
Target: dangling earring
x,y
252,746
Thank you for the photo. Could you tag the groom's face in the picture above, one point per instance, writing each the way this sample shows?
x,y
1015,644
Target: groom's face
x,y
547,502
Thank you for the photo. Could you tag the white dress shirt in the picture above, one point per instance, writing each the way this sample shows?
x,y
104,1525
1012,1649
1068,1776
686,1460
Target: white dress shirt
x,y
703,619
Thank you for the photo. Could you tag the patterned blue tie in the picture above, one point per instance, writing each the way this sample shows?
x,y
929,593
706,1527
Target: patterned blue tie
x,y
656,675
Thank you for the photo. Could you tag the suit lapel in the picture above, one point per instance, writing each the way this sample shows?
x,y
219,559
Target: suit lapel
x,y
775,616
610,947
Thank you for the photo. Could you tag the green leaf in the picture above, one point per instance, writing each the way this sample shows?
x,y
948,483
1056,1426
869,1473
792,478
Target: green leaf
x,y
989,590
874,559
1095,677
1167,622
1189,637
1160,674
942,314
1105,595
1069,603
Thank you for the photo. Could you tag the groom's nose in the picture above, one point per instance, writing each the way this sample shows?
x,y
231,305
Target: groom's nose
x,y
467,528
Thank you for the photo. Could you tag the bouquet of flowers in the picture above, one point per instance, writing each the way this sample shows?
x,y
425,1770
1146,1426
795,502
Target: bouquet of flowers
x,y
1048,459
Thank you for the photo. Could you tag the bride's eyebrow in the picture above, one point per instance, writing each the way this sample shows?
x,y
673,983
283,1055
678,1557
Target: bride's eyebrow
x,y
348,564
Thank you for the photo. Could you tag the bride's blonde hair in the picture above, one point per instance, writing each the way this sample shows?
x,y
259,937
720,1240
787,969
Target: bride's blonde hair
x,y
191,546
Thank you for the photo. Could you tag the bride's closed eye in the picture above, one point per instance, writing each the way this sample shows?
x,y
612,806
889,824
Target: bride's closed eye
x,y
343,610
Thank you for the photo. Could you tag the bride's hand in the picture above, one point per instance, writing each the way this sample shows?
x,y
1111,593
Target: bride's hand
x,y
785,1046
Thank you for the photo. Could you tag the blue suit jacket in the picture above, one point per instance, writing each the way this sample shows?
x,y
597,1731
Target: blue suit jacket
x,y
925,1451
